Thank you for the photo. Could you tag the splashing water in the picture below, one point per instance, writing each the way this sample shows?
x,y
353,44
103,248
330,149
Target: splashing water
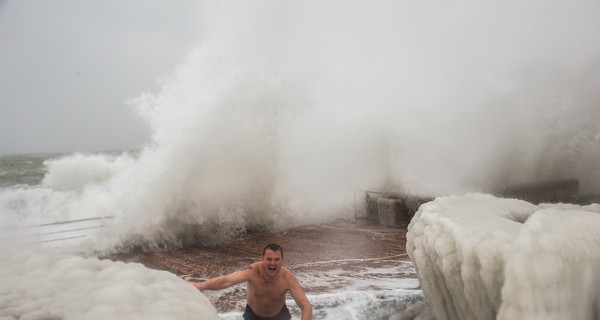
x,y
284,110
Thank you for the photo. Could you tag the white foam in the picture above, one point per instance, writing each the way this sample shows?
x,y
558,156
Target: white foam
x,y
277,120
351,305
79,171
358,305
357,274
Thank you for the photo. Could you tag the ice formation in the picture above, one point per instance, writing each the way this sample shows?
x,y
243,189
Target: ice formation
x,y
37,286
481,257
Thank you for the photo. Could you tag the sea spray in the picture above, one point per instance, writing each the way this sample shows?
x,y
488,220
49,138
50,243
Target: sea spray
x,y
285,111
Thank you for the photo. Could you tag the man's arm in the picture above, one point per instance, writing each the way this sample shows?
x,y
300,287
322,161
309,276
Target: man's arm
x,y
226,281
299,296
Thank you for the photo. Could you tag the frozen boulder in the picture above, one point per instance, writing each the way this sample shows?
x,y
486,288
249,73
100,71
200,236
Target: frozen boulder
x,y
481,257
38,286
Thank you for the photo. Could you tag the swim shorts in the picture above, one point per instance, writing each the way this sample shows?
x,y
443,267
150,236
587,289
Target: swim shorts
x,y
284,314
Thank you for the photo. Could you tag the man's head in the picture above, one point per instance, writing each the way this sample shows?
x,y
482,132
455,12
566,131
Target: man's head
x,y
273,247
272,259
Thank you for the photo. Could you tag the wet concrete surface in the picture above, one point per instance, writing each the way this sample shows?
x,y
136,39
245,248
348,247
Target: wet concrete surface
x,y
328,257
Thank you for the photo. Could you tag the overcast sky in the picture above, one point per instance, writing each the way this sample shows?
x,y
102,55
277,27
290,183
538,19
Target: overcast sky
x,y
67,67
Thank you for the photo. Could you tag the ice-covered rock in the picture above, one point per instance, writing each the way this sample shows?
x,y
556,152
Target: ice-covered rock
x,y
38,286
481,257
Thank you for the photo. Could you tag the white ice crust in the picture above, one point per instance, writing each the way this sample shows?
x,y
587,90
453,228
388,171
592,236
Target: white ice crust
x,y
38,286
481,257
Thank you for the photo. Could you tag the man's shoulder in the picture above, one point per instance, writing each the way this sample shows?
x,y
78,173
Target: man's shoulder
x,y
287,274
286,270
252,267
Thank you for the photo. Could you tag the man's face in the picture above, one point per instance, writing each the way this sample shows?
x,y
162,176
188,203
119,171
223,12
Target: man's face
x,y
272,262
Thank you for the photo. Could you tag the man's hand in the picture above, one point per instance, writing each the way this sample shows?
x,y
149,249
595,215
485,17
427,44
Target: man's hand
x,y
197,285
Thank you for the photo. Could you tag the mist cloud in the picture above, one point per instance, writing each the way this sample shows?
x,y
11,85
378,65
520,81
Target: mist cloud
x,y
286,112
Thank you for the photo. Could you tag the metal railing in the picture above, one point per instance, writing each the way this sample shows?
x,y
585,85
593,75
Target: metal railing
x,y
53,231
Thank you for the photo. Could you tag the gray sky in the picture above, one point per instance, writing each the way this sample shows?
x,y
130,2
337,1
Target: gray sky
x,y
67,66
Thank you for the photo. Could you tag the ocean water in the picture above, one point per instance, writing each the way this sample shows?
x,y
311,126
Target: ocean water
x,y
271,123
285,114
17,170
355,288
352,305
34,205
22,169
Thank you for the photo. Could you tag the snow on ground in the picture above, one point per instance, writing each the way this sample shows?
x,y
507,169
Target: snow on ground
x,y
481,257
38,286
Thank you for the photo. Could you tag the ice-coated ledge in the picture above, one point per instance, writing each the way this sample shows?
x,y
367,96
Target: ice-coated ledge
x,y
482,257
40,286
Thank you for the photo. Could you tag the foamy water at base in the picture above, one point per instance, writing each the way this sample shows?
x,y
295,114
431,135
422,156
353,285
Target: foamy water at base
x,y
359,305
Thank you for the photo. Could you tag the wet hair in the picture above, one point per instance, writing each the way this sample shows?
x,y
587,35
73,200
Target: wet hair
x,y
273,247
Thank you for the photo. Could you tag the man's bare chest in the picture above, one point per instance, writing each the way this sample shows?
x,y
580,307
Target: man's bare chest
x,y
263,290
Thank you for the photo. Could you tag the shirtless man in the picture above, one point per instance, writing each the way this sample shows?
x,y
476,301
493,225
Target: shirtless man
x,y
267,283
